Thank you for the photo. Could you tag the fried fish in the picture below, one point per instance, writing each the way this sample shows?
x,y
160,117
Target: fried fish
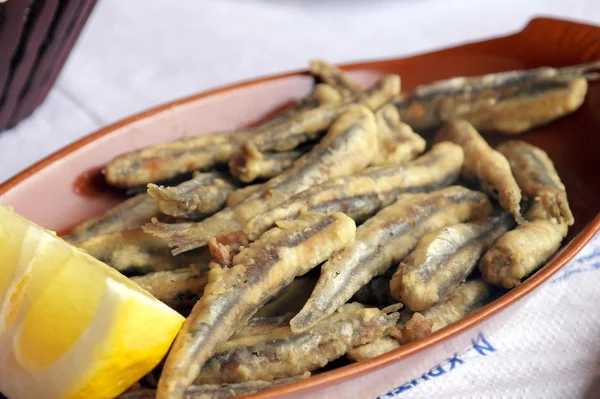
x,y
487,167
343,151
362,194
508,102
234,294
384,240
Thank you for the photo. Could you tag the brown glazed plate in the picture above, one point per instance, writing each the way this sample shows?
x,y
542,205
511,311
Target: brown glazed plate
x,y
66,187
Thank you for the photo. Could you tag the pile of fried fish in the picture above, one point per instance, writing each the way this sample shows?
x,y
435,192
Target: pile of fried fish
x,y
329,231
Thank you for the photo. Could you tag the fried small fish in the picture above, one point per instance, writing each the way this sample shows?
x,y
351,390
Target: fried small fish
x,y
362,194
309,125
443,259
128,215
179,289
219,391
487,167
459,303
281,353
234,294
384,240
343,151
199,197
163,161
167,160
398,143
270,164
520,252
335,77
537,178
135,253
509,102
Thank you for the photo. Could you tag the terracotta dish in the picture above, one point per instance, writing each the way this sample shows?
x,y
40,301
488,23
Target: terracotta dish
x,y
67,188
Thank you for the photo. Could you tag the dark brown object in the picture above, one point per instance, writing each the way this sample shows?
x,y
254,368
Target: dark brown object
x,y
36,37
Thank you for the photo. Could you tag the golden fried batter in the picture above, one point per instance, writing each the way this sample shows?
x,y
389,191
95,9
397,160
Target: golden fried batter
x,y
234,294
384,240
484,165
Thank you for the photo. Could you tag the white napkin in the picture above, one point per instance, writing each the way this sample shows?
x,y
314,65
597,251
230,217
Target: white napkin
x,y
549,349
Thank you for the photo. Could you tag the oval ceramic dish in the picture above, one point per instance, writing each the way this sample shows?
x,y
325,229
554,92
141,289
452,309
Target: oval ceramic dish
x,y
63,189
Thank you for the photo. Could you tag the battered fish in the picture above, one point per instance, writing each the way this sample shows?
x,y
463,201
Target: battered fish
x,y
248,169
459,303
234,294
219,391
343,151
309,125
199,197
164,161
335,77
520,252
282,353
179,289
443,259
508,102
260,325
384,240
537,178
488,167
361,195
128,215
398,143
134,253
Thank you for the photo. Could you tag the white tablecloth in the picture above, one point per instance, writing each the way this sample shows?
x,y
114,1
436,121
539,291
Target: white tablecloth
x,y
136,54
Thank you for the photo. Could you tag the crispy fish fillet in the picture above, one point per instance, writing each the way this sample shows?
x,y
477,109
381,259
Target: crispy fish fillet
x,y
335,77
384,240
291,299
234,294
219,391
282,353
537,178
485,165
134,252
179,289
361,195
128,215
459,303
508,102
520,252
248,169
343,151
199,197
443,259
308,125
397,141
164,161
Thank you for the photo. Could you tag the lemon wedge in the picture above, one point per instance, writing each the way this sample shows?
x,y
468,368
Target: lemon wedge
x,y
71,326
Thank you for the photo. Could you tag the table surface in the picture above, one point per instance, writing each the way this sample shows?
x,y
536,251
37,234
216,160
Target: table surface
x,y
134,55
